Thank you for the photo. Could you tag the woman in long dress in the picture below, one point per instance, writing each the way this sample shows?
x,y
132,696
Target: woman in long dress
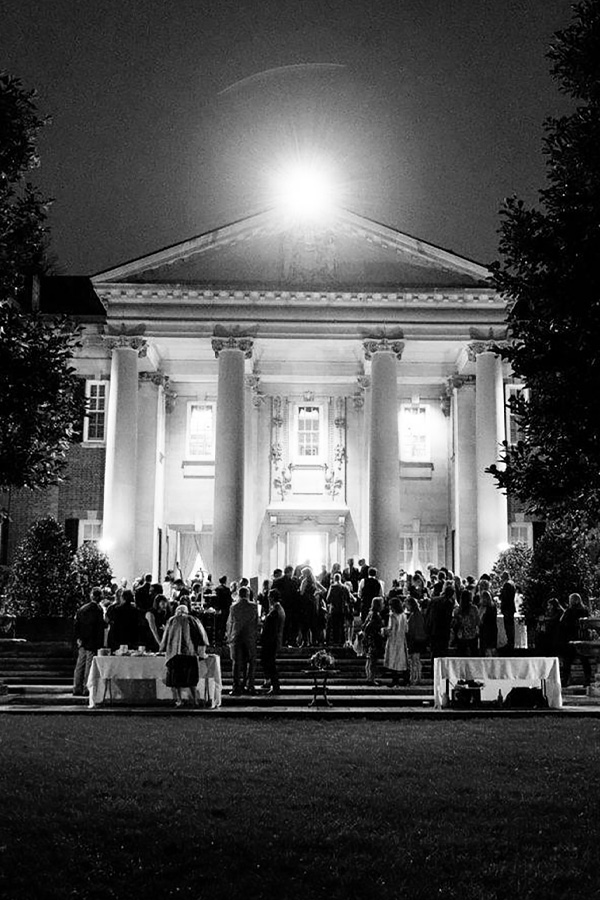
x,y
183,641
488,625
310,599
416,638
395,657
373,639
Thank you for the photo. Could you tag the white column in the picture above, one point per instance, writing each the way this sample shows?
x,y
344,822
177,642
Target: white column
x,y
228,527
464,485
356,539
492,517
118,526
384,459
150,470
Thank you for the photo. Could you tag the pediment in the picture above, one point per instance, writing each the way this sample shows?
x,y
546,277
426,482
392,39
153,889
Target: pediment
x,y
271,252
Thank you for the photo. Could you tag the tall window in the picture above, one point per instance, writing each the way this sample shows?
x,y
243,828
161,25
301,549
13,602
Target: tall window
x,y
90,531
415,443
521,533
201,431
94,425
416,551
308,433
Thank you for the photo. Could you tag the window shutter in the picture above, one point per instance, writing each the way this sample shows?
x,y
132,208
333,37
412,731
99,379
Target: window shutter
x,y
72,532
80,396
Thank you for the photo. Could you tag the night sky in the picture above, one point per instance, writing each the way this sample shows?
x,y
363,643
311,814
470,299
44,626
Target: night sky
x,y
170,115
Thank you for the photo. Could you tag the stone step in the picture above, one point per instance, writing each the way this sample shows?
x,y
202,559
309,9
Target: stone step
x,y
18,647
43,668
285,699
35,665
337,686
36,688
37,678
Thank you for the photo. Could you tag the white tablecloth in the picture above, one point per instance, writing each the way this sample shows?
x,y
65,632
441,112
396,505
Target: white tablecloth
x,y
139,679
497,673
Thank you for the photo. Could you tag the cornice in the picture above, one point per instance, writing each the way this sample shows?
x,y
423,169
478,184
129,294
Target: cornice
x,y
170,293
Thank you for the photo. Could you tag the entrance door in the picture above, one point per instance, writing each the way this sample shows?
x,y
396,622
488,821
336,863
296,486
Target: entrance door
x,y
308,548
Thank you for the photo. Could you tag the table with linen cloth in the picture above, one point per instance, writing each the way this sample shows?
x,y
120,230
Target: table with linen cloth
x,y
139,680
497,673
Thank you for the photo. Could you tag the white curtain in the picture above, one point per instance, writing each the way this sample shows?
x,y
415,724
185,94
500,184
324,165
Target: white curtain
x,y
196,552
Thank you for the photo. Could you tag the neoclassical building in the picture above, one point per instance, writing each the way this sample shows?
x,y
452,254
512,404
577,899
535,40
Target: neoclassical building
x,y
279,391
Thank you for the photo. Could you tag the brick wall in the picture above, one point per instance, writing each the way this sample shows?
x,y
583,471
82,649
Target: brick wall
x,y
26,507
82,490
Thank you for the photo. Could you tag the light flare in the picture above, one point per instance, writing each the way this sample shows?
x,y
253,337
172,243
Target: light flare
x,y
305,190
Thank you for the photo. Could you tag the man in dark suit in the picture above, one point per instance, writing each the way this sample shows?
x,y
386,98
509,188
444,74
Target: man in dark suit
x,y
351,574
508,610
363,570
271,641
143,595
369,588
241,633
89,634
222,601
287,586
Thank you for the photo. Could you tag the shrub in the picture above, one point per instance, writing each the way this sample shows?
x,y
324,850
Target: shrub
x,y
564,561
92,569
43,580
516,560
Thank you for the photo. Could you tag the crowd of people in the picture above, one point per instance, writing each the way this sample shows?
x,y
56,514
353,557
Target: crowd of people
x,y
437,613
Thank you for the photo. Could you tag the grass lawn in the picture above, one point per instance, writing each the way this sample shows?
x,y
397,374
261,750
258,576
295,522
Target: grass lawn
x,y
115,807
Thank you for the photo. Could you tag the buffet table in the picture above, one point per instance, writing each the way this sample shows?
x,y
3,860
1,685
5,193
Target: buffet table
x,y
139,680
497,673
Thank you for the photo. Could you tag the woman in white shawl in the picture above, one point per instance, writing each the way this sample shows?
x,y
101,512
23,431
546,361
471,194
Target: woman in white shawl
x,y
183,641
396,654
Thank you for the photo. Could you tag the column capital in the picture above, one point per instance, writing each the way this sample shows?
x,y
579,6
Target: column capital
x,y
382,345
126,337
455,381
477,347
245,344
458,381
159,379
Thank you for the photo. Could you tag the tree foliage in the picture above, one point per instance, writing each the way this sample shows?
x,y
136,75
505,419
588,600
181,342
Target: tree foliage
x,y
43,581
23,209
39,400
516,560
550,273
565,560
92,569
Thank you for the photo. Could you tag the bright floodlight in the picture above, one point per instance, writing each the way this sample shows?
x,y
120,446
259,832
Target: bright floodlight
x,y
304,190
104,545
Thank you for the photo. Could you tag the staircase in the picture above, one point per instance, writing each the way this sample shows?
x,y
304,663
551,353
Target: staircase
x,y
36,668
346,688
38,676
41,675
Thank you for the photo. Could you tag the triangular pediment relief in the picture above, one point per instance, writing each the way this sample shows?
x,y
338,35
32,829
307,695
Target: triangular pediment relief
x,y
270,252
